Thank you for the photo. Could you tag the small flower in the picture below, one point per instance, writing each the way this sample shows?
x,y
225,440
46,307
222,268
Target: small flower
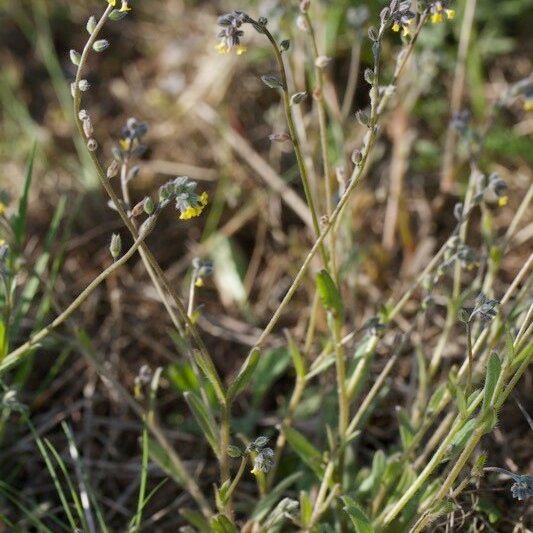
x,y
202,268
439,10
112,3
522,487
84,85
195,210
528,103
101,45
230,35
485,308
401,18
124,8
92,145
263,461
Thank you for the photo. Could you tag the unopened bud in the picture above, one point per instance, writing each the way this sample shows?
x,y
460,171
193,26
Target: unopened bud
x,y
112,169
322,61
75,57
101,45
148,206
285,44
91,24
87,127
298,98
116,245
82,115
84,85
356,156
279,137
304,6
92,145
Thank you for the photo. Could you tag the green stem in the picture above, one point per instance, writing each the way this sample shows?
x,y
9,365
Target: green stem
x,y
13,357
296,142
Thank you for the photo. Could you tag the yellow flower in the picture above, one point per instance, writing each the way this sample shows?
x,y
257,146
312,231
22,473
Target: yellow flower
x,y
450,13
528,104
502,200
192,212
406,31
436,18
255,471
199,282
222,48
112,3
395,27
2,241
124,8
240,49
125,143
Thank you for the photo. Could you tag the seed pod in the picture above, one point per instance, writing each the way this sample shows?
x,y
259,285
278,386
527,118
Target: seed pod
x,y
272,82
116,14
112,169
84,85
148,206
362,117
298,98
101,45
304,6
369,76
322,61
82,115
91,24
356,156
88,127
285,44
75,57
116,245
279,137
92,145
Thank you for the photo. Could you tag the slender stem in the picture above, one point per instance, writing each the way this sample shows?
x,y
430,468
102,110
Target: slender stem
x,y
470,366
224,442
296,142
13,357
237,478
318,95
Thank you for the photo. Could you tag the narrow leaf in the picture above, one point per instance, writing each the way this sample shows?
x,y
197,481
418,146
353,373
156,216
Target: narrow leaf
x,y
329,294
204,418
245,375
494,369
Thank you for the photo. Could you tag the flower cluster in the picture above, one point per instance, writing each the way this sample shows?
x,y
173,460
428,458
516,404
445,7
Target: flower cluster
x,y
230,35
202,268
131,135
401,18
182,190
264,456
485,308
124,7
439,10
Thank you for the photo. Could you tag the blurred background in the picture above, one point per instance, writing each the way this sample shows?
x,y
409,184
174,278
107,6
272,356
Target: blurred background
x,y
210,118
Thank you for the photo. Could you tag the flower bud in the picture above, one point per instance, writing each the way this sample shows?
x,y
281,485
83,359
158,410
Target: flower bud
x,y
101,45
91,24
112,169
271,81
75,57
148,206
84,85
304,6
356,156
285,44
322,61
87,127
298,98
92,145
116,245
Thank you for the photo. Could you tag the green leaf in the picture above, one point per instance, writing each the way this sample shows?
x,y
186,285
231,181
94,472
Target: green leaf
x,y
19,221
208,368
272,82
161,458
222,524
298,360
494,369
307,452
244,376
436,397
329,294
196,519
406,430
204,418
271,366
359,520
464,433
267,502
306,509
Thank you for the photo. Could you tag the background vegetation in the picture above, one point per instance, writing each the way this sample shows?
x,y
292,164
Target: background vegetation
x,y
80,413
